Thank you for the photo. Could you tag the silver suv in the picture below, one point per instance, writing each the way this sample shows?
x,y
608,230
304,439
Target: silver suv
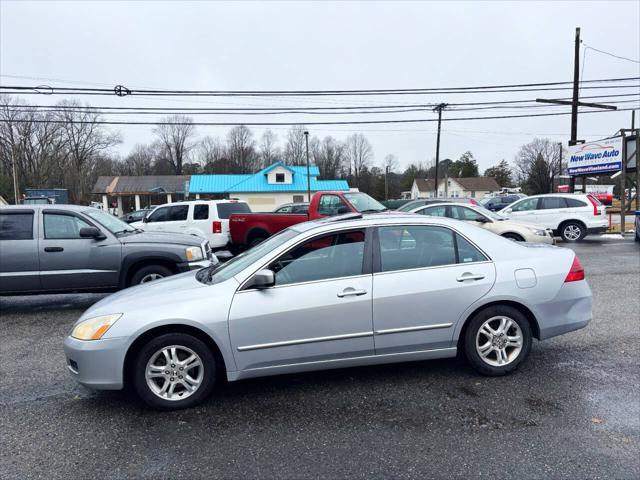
x,y
67,248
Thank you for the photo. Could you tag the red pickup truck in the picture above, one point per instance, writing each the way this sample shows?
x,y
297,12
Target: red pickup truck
x,y
249,229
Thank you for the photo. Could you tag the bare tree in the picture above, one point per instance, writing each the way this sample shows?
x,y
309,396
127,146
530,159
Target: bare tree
x,y
295,152
211,153
242,149
269,151
176,134
141,160
390,163
329,155
359,153
536,164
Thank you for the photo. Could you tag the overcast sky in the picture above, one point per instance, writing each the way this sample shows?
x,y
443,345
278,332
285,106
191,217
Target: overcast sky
x,y
323,45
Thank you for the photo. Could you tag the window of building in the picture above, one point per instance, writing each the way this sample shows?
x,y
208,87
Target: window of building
x,y
298,198
279,177
16,226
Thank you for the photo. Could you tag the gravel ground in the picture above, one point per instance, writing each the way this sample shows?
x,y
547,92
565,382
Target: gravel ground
x,y
572,411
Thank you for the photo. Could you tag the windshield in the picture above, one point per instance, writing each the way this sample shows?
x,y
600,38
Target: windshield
x,y
221,272
111,223
364,203
488,213
407,207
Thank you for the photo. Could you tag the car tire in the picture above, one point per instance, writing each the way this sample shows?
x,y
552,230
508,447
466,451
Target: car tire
x,y
151,359
572,231
256,240
235,249
513,236
149,273
497,354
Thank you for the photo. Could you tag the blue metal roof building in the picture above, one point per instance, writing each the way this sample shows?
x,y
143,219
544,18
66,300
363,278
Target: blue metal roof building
x,y
262,182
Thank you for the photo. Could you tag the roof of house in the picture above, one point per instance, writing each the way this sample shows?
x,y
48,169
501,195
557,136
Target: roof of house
x,y
257,182
141,184
473,184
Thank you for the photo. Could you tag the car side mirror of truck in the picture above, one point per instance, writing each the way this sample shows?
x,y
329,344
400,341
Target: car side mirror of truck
x,y
264,278
91,232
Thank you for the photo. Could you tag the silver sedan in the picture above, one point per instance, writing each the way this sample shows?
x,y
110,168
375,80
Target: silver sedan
x,y
340,292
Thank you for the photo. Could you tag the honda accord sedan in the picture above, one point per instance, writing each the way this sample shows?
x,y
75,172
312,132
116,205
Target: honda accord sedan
x,y
340,292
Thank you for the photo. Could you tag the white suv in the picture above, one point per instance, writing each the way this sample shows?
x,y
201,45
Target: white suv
x,y
572,216
206,218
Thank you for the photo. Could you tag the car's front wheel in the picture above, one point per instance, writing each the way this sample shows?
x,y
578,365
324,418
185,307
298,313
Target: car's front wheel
x,y
174,371
513,236
497,340
149,274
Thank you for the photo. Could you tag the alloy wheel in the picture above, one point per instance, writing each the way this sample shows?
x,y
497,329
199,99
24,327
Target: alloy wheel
x,y
499,341
174,372
151,277
572,232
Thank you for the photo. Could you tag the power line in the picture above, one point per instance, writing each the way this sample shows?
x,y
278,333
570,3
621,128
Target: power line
x,y
264,124
610,54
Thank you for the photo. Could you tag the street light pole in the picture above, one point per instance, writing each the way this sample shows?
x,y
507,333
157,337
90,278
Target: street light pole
x,y
306,141
15,175
439,109
386,185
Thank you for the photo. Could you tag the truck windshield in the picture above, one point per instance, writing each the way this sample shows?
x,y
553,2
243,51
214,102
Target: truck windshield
x,y
111,223
363,203
221,272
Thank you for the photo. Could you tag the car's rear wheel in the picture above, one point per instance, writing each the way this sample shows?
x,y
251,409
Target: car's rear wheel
x,y
513,236
497,340
149,274
256,240
573,231
174,371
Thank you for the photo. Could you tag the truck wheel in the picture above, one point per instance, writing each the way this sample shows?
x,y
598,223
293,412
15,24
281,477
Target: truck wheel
x,y
235,249
149,274
256,240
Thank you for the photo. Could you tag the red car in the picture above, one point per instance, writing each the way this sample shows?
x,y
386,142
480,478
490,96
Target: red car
x,y
249,229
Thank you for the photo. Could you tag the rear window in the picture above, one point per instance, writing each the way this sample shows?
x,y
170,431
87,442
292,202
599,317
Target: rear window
x,y
201,212
226,209
16,226
594,199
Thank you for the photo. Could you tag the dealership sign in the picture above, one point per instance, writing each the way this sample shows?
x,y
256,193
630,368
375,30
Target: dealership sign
x,y
595,157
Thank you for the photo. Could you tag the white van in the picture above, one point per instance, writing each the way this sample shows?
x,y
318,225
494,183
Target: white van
x,y
206,218
572,216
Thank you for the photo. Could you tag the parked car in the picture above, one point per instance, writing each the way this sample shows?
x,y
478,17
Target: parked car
x,y
66,248
637,235
419,202
205,218
248,230
353,290
571,216
499,202
300,207
136,215
480,216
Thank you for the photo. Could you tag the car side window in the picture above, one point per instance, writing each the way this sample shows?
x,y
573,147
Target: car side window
x,y
159,215
59,226
16,226
329,256
525,205
434,211
331,205
553,202
574,203
178,213
201,212
408,247
300,209
467,252
464,213
286,209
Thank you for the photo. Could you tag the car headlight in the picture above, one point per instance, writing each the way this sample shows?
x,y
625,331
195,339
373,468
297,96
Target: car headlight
x,y
538,232
193,254
94,328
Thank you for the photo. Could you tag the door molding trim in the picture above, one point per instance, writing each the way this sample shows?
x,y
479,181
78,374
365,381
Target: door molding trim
x,y
301,341
417,328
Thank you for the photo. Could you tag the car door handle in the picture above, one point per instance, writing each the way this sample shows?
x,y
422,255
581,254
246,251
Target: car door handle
x,y
350,292
469,276
53,249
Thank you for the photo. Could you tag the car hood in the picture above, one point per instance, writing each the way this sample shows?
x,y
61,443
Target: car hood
x,y
174,289
161,237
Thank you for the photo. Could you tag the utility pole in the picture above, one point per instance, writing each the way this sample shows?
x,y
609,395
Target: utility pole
x,y
438,108
553,171
575,103
15,175
386,185
306,141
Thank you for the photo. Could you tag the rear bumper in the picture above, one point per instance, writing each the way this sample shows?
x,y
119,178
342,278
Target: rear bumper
x,y
570,310
600,229
97,364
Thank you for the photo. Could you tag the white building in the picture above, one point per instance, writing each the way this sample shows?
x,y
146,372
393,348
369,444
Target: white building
x,y
462,187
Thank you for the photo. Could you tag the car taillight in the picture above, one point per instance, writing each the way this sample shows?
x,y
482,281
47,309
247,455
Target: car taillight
x,y
216,227
473,202
596,210
576,273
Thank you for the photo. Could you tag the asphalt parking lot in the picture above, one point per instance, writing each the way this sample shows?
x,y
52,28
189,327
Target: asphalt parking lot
x,y
572,411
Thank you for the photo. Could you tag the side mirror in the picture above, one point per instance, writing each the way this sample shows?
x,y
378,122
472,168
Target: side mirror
x,y
91,232
262,279
508,210
145,220
480,220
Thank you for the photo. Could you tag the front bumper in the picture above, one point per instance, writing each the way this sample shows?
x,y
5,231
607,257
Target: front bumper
x,y
97,364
